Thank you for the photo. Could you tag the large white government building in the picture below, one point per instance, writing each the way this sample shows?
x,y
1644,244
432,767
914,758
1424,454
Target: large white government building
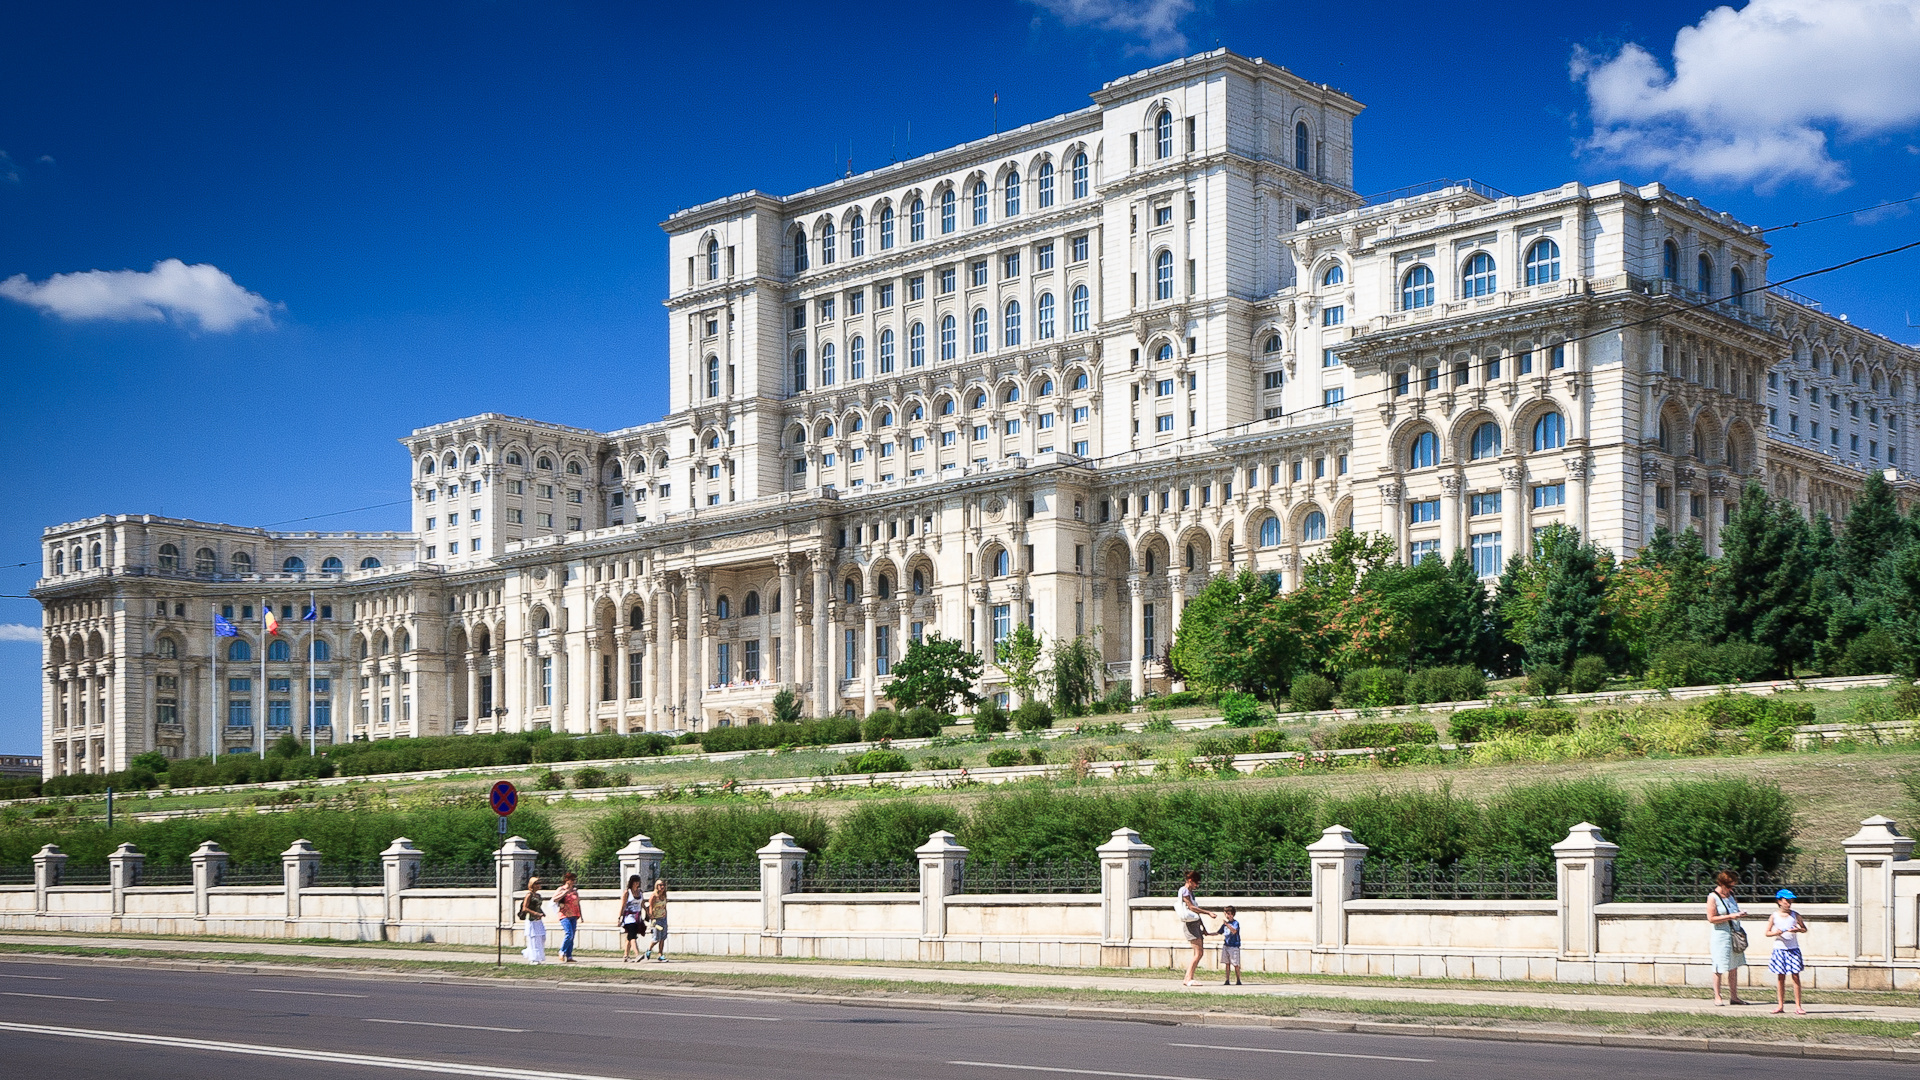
x,y
1064,374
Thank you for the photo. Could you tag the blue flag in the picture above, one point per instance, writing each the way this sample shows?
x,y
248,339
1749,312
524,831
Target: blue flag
x,y
223,628
310,616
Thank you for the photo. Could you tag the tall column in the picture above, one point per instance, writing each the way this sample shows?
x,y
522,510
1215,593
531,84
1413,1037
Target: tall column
x,y
1392,520
697,641
1649,493
529,675
983,634
1450,538
474,660
1513,516
1177,593
822,695
1716,504
1138,641
650,675
622,676
903,609
870,659
1577,492
594,682
496,667
789,635
677,671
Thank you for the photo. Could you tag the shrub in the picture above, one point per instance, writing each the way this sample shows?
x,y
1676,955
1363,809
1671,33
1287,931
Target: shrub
x,y
548,780
787,707
1373,688
889,830
1158,724
1906,699
879,761
153,761
881,725
1589,674
1723,821
590,777
1033,716
1036,756
1240,710
1310,693
548,751
1119,699
1463,683
1545,680
1182,699
1874,652
1679,735
1770,735
1526,821
1372,736
828,732
1267,741
703,834
1418,825
1744,710
991,718
1693,664
1003,756
919,722
1475,725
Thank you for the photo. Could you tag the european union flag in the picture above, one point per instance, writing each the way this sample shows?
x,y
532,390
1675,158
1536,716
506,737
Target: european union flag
x,y
310,616
223,628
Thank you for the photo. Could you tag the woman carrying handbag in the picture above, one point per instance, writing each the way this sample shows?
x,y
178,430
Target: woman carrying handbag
x,y
530,910
1728,940
633,918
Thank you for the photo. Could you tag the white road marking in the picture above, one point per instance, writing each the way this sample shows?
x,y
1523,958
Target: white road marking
x,y
42,978
451,1068
1302,1053
463,1027
703,1016
305,993
57,997
1074,1072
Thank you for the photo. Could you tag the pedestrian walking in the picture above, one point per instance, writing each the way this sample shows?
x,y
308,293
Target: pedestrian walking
x,y
657,916
567,903
1726,938
1190,920
1230,945
633,918
1785,927
531,909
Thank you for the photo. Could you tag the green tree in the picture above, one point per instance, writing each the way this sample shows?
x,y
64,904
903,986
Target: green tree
x,y
1874,530
1444,607
1018,657
1763,588
1570,618
786,707
1075,665
935,672
1199,645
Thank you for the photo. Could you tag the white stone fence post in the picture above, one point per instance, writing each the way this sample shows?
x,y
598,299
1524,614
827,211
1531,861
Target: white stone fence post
x,y
49,866
399,869
124,867
1125,862
299,866
1583,866
209,865
943,868
641,859
780,864
1335,861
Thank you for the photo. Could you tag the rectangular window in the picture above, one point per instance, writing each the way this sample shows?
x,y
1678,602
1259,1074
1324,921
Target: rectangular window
x,y
1274,380
546,681
1559,356
1526,363
885,296
1334,316
1328,358
723,666
977,273
1485,503
826,309
322,685
323,714
1493,367
1163,215
1010,265
946,280
1013,427
857,302
1163,423
279,713
1485,548
1002,622
1423,510
979,432
1044,257
1422,550
882,650
279,686
1545,495
800,316
917,287
1662,496
239,713
1046,421
1077,249
1164,388
1333,397
1080,447
850,654
1697,505
1146,631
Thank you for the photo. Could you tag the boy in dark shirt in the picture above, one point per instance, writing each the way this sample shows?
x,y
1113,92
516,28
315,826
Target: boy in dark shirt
x,y
1230,947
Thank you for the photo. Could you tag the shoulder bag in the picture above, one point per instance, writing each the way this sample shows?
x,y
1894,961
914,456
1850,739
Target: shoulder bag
x,y
1739,932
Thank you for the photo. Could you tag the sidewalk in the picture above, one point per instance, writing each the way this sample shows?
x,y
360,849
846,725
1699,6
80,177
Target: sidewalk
x,y
1209,993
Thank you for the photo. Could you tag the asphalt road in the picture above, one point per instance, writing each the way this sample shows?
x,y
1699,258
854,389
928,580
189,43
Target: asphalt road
x,y
126,1023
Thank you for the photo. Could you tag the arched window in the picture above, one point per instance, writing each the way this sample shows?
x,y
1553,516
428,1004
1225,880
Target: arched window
x,y
1082,309
241,562
1543,262
1163,276
97,549
946,406
1485,442
799,250
403,642
1271,345
1000,562
1012,188
238,649
723,608
919,583
637,618
1477,277
203,561
426,467
1425,452
1046,184
886,351
542,619
1043,328
857,236
574,469
799,370
1301,141
979,202
167,649
826,364
1080,175
545,463
1670,261
59,561
826,429
1737,286
1164,353
322,652
1416,289
473,457
713,260
979,401
169,557
886,228
884,587
916,345
713,376
1664,436
857,358
917,220
1046,388
947,334
916,412
1163,134
826,244
1079,380
751,606
1010,325
856,425
946,211
1550,432
1705,267
1335,275
1012,395
980,330
369,563
293,565
850,592
1270,532
514,458
1315,527
279,650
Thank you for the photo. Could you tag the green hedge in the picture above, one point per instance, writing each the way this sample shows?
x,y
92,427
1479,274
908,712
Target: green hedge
x,y
1181,699
1747,710
1359,736
828,732
1477,725
704,834
1428,685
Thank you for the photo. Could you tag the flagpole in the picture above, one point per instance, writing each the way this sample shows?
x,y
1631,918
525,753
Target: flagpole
x,y
260,722
313,639
213,734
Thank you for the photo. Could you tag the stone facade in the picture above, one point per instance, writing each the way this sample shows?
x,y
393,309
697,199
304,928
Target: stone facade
x,y
1063,374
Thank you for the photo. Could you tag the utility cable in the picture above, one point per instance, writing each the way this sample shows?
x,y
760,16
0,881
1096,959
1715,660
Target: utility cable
x,y
1841,214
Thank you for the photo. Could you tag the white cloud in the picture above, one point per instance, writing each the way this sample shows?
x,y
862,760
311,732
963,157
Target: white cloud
x,y
1155,22
202,293
1755,95
9,172
19,632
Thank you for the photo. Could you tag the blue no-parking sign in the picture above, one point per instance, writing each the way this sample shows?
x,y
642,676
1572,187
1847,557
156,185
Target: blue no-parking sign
x,y
503,798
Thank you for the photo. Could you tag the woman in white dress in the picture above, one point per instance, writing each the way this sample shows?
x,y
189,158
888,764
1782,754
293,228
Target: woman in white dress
x,y
530,907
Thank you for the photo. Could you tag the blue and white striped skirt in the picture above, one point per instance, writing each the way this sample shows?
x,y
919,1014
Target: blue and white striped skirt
x,y
1786,962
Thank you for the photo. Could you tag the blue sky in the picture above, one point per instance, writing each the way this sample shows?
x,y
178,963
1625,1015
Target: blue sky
x,y
422,211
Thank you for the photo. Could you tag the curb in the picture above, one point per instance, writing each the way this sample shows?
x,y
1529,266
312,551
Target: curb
x,y
1186,1018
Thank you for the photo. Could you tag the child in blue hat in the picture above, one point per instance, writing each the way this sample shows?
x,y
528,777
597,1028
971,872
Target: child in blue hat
x,y
1785,928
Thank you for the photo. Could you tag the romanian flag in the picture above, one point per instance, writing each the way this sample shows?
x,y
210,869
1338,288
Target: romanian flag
x,y
268,619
